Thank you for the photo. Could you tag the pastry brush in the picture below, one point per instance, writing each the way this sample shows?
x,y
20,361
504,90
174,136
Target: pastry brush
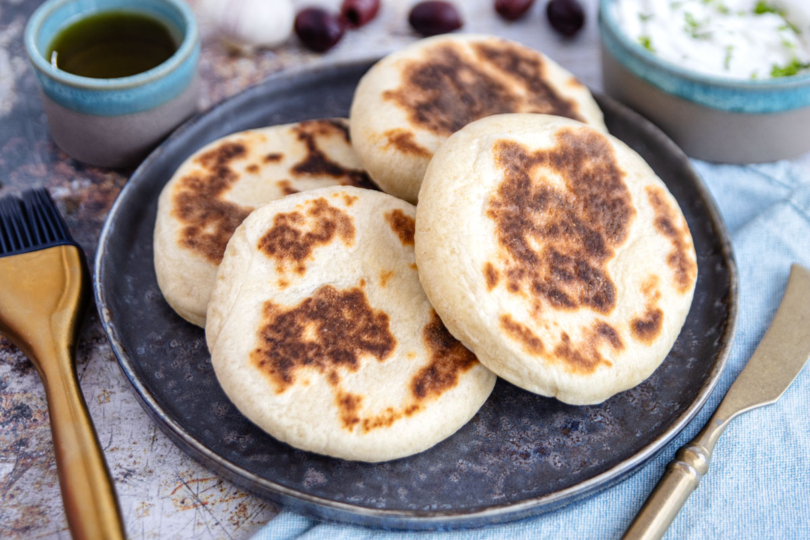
x,y
44,296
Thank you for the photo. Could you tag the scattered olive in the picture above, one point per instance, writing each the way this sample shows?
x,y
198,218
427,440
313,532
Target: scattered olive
x,y
359,12
318,29
565,16
512,10
434,17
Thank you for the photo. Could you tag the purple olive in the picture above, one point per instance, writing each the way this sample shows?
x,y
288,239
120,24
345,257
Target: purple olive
x,y
565,16
512,10
359,12
434,17
318,29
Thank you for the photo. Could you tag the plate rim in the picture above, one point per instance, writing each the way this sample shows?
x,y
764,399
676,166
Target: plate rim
x,y
326,509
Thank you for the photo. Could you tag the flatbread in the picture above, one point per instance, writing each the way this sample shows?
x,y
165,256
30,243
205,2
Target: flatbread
x,y
411,101
320,333
219,185
554,252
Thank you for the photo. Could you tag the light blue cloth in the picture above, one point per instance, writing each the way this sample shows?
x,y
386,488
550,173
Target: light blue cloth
x,y
758,485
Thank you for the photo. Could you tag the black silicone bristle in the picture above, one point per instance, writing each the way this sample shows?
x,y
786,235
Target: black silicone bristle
x,y
31,223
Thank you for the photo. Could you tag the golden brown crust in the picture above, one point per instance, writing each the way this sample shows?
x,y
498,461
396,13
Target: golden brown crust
x,y
448,360
519,332
329,331
555,243
403,225
647,327
208,220
450,88
403,140
295,235
679,259
316,163
585,357
491,275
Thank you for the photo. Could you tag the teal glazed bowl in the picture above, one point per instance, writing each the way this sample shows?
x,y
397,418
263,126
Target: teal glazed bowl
x,y
711,118
115,122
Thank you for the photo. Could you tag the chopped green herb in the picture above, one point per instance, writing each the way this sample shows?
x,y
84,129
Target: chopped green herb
x,y
727,59
693,27
645,42
764,7
789,26
645,16
788,70
788,45
754,75
722,8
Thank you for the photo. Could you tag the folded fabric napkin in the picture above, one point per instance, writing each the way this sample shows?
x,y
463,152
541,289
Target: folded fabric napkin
x,y
758,485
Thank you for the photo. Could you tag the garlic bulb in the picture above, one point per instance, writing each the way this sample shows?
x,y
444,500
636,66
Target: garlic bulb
x,y
249,24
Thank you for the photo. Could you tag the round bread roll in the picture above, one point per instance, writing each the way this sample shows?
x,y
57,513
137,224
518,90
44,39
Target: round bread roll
x,y
411,101
320,333
555,254
218,186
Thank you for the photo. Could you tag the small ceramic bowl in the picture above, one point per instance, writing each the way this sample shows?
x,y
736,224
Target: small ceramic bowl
x,y
710,118
115,122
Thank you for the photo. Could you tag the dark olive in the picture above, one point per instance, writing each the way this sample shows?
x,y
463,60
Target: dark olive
x,y
434,17
565,16
319,29
512,10
359,12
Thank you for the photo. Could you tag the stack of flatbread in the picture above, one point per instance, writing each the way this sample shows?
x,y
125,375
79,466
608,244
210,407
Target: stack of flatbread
x,y
346,321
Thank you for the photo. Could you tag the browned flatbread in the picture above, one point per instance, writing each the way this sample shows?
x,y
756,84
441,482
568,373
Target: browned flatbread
x,y
320,333
412,100
218,186
555,253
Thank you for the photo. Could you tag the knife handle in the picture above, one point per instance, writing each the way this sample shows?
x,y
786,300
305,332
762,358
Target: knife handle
x,y
681,478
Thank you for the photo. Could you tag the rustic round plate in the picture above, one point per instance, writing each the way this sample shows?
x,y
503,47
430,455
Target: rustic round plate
x,y
520,455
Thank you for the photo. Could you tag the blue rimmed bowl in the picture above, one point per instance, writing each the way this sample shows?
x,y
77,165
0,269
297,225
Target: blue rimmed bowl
x,y
115,122
711,118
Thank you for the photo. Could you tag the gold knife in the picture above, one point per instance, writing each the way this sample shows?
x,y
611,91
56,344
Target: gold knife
x,y
777,361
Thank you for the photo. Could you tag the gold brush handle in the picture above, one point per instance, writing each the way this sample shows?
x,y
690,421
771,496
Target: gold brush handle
x,y
43,300
87,490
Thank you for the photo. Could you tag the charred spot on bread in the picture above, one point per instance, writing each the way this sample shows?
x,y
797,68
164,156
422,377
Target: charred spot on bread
x,y
208,220
449,87
328,332
671,226
449,359
404,141
403,226
556,238
293,237
317,163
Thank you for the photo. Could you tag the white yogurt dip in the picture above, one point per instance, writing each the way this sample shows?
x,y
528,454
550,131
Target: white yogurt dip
x,y
741,39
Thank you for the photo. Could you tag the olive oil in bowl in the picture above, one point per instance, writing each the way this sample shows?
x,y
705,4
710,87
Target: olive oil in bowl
x,y
112,44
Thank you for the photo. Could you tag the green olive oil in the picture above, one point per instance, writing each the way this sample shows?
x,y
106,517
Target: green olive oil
x,y
112,44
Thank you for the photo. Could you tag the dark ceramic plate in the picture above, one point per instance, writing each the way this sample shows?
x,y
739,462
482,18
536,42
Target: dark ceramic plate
x,y
521,455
